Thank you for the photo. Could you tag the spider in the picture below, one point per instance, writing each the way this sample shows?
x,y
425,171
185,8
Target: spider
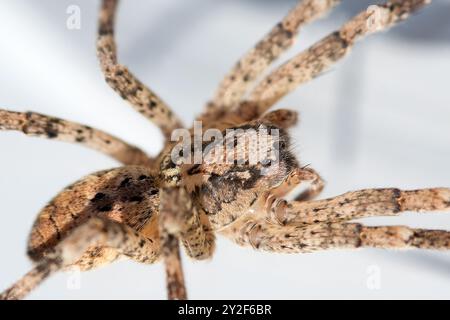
x,y
145,208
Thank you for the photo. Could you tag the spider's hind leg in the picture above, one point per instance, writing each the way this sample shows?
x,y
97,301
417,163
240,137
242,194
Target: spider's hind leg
x,y
96,232
92,222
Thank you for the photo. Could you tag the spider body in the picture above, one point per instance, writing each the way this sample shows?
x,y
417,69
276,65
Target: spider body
x,y
126,195
225,191
130,195
145,208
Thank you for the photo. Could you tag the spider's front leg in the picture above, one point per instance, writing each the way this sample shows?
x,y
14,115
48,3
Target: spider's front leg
x,y
316,225
92,222
366,203
266,236
180,220
96,232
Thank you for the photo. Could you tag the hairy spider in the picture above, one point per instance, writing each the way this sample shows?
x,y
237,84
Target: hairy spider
x,y
144,208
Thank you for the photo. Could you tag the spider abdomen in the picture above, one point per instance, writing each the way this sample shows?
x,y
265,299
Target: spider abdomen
x,y
127,195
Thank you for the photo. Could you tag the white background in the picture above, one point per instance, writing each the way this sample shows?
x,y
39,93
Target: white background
x,y
379,119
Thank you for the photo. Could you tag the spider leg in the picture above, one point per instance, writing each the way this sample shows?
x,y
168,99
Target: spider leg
x,y
30,281
180,217
322,236
234,86
123,82
127,196
180,220
176,289
93,233
366,203
170,247
315,187
322,55
38,125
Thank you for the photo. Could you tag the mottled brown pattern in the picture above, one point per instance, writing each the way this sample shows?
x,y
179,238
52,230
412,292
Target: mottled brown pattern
x,y
282,118
225,191
234,86
30,281
176,289
123,82
146,208
127,195
87,240
38,125
322,55
324,236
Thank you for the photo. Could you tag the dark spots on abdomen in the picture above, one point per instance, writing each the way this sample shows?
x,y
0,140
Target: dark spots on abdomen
x,y
136,198
105,208
99,196
55,226
125,182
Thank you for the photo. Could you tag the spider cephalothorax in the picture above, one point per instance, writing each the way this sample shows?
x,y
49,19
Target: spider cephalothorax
x,y
224,190
143,209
